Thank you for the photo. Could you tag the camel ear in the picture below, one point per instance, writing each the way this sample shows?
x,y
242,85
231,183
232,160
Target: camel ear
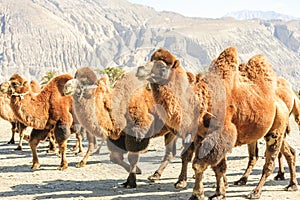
x,y
176,64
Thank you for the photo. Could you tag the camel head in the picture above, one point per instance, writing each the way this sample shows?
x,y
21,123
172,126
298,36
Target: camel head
x,y
19,85
160,68
83,85
5,87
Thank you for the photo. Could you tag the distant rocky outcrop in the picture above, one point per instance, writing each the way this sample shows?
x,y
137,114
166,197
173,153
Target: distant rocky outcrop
x,y
62,35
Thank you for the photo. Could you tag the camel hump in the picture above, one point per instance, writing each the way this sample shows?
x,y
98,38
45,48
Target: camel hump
x,y
258,68
226,63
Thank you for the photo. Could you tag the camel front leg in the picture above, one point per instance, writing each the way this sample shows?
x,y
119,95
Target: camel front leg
x,y
253,157
91,146
21,128
170,152
133,158
62,149
220,173
35,137
186,157
14,129
198,190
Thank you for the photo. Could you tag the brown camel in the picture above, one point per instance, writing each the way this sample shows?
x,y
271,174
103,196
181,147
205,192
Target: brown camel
x,y
7,113
285,92
46,111
240,111
93,101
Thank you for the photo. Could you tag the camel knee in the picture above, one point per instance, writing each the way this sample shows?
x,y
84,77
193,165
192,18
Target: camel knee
x,y
273,141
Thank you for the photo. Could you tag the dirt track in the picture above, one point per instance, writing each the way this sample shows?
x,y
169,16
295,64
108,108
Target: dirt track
x,y
100,179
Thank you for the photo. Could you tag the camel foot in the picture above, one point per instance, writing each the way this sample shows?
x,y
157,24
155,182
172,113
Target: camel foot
x,y
79,153
51,151
154,177
138,170
242,181
62,168
131,181
180,184
11,142
19,148
217,197
35,166
291,187
254,195
80,164
196,197
279,176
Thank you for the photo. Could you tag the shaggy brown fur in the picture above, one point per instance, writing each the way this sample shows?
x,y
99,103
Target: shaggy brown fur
x,y
133,126
249,110
7,113
47,110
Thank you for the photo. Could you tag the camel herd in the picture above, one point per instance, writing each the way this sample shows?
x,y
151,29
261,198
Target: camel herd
x,y
233,104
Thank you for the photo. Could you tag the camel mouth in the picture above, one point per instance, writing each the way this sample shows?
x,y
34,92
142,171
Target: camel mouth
x,y
69,88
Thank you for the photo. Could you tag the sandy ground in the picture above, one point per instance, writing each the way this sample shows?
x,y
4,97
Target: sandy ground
x,y
101,179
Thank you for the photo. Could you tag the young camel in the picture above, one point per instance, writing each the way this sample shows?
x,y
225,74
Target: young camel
x,y
129,132
241,111
49,110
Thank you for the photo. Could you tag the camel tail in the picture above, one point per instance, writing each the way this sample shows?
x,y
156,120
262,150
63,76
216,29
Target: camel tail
x,y
215,146
296,111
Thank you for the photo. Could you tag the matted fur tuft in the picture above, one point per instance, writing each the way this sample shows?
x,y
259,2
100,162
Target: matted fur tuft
x,y
226,64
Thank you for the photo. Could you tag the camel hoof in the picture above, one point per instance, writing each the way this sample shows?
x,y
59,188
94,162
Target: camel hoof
x,y
217,197
11,142
242,181
19,148
79,153
35,166
291,188
51,151
138,170
254,195
196,197
279,176
80,164
62,168
127,184
154,177
180,184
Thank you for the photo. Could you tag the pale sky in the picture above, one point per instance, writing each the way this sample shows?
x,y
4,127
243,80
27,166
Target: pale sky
x,y
218,8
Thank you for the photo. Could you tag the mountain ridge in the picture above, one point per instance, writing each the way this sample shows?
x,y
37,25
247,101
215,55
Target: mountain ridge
x,y
43,35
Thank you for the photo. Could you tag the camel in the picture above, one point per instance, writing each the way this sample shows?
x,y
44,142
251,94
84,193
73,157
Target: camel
x,y
7,113
285,92
129,132
240,110
49,110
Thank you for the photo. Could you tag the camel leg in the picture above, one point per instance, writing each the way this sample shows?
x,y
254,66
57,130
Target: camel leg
x,y
290,155
220,173
198,190
91,146
13,131
186,157
21,128
253,157
78,144
273,146
35,137
62,132
133,158
170,152
280,173
52,145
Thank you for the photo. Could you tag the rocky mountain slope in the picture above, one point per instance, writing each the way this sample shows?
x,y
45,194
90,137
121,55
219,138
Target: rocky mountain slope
x,y
62,35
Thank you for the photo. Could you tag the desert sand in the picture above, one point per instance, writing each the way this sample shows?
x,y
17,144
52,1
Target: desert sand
x,y
101,179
